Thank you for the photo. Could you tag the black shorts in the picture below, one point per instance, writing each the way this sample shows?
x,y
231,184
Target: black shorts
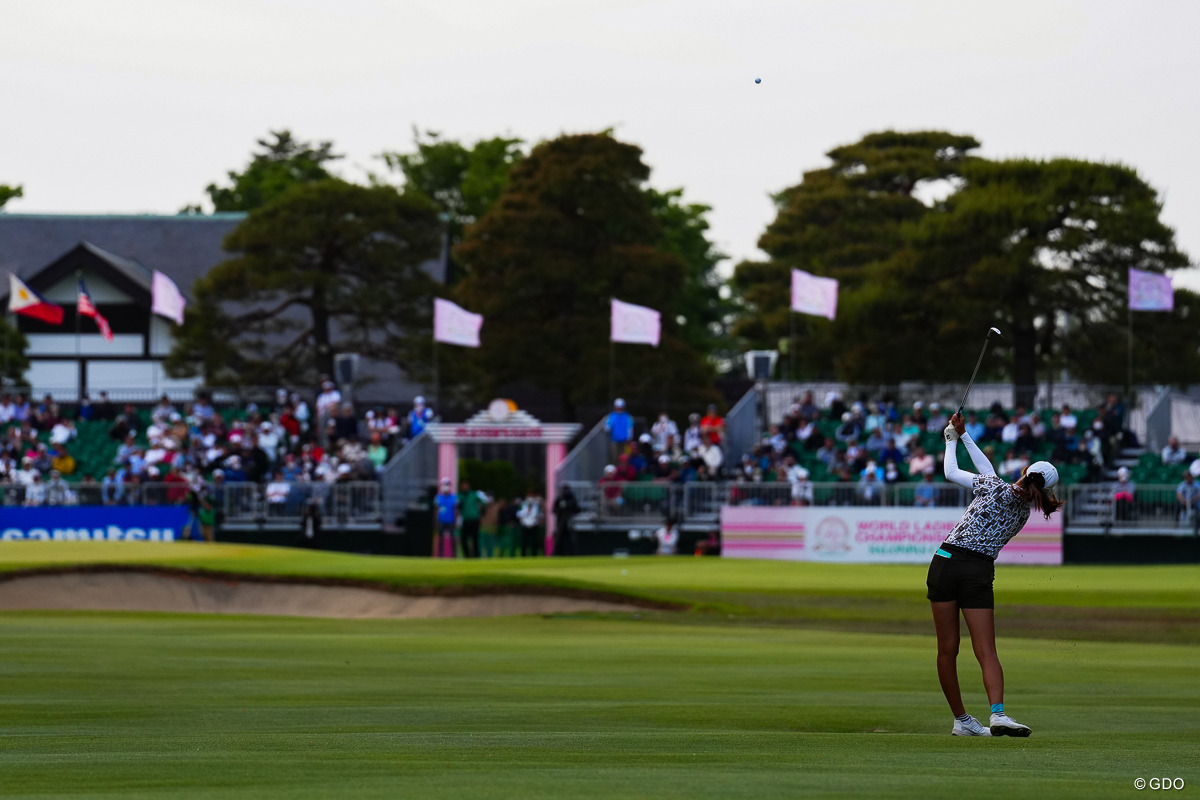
x,y
964,577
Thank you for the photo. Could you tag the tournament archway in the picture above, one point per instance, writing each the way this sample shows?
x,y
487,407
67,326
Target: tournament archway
x,y
501,422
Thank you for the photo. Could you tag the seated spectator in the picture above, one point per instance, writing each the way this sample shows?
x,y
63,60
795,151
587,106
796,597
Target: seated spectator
x,y
835,406
891,451
376,451
692,435
1010,468
62,432
918,417
1010,432
62,461
712,455
827,452
925,492
875,419
849,430
937,418
7,410
875,443
891,472
919,461
975,427
898,436
665,434
1067,418
993,426
909,427
1187,494
1122,495
856,457
1026,441
162,410
1173,453
872,467
808,409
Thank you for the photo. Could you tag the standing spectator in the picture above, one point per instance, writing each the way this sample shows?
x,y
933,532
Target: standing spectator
x,y
566,506
1187,494
1122,496
300,411
489,528
619,426
447,516
328,400
925,492
470,509
509,525
532,518
7,410
420,416
1173,453
870,489
714,425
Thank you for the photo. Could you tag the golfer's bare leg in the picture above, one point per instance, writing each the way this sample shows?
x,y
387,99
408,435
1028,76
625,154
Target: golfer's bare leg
x,y
981,622
945,623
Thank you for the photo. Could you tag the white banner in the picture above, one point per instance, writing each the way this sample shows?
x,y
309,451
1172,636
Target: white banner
x,y
635,324
453,324
813,295
868,534
165,298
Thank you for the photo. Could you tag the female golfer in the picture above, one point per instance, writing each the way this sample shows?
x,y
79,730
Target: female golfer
x,y
963,569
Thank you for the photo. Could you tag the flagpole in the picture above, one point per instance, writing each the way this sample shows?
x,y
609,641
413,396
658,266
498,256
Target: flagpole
x,y
612,357
79,368
436,378
791,345
1129,353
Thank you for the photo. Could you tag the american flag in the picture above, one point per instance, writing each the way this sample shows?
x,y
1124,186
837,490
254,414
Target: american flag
x,y
87,308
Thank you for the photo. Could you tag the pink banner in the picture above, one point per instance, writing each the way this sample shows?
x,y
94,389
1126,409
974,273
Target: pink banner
x,y
880,534
813,295
635,324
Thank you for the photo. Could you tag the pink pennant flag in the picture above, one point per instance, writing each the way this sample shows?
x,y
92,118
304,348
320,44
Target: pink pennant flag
x,y
453,324
635,324
165,298
813,295
1150,291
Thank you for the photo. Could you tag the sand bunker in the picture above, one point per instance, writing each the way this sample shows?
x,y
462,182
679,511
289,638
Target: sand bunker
x,y
127,590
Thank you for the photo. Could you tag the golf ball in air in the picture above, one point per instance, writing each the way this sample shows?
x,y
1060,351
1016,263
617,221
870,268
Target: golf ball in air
x,y
758,80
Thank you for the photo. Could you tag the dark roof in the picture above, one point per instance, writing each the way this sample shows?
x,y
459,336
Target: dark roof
x,y
185,247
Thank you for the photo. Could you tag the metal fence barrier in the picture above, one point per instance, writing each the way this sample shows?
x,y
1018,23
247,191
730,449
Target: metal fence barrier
x,y
647,500
1154,509
356,504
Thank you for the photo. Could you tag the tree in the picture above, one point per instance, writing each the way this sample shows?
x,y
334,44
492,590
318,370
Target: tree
x,y
325,267
463,182
573,229
1042,249
8,193
705,316
838,222
281,163
13,361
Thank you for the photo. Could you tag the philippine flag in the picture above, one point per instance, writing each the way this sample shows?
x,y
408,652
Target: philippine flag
x,y
23,300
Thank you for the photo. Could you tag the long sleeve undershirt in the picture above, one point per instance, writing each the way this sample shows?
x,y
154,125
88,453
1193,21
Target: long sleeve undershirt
x,y
961,476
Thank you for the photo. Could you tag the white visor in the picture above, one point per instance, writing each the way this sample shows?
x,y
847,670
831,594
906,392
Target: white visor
x,y
1047,471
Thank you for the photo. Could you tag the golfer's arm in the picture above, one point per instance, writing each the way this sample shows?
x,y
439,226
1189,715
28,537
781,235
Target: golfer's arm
x,y
982,464
952,472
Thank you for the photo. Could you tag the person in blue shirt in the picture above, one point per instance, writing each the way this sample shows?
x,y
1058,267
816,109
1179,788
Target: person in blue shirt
x,y
420,416
619,425
446,502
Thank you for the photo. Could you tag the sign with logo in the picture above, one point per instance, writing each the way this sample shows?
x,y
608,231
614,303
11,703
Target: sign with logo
x,y
93,523
884,535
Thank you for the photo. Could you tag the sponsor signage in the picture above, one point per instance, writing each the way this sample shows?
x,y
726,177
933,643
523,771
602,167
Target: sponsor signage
x,y
884,535
93,523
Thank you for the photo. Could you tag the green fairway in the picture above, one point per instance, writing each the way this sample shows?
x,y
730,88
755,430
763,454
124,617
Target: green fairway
x,y
155,706
784,680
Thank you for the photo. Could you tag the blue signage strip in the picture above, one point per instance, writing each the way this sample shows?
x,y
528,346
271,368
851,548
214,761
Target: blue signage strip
x,y
93,523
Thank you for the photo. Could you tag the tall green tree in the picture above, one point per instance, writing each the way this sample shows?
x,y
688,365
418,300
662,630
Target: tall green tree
x,y
8,193
325,267
573,229
281,162
838,222
13,360
463,182
705,317
1042,250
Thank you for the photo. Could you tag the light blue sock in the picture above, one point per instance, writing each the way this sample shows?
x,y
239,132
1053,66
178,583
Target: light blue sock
x,y
997,708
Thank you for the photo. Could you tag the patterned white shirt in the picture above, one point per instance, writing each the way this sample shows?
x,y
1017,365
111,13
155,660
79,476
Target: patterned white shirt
x,y
994,517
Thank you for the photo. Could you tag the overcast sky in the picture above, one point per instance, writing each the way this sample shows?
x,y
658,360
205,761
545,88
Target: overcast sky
x,y
136,105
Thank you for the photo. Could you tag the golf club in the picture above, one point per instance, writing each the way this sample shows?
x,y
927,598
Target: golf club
x,y
986,339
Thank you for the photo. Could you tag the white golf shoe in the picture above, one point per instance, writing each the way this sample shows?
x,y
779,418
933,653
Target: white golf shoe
x,y
972,727
1004,725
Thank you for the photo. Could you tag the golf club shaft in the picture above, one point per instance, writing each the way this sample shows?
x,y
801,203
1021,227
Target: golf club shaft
x,y
986,339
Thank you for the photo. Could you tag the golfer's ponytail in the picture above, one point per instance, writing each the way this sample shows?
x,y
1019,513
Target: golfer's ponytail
x,y
1039,496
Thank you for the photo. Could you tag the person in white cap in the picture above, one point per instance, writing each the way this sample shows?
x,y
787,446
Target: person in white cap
x,y
963,569
420,416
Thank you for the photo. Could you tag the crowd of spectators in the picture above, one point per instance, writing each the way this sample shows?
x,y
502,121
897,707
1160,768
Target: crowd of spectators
x,y
172,449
